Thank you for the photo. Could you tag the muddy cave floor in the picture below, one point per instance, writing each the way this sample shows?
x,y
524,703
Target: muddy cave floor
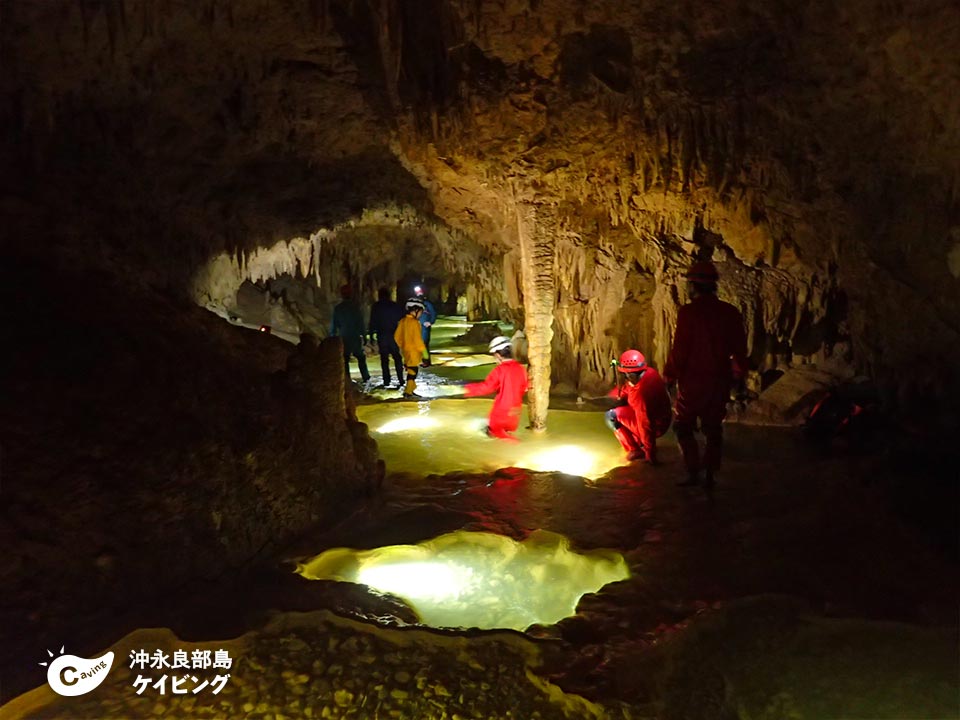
x,y
787,534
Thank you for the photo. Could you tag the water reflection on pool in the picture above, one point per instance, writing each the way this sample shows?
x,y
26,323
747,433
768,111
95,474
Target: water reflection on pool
x,y
446,435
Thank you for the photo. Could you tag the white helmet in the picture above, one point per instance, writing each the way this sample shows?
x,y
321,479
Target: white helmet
x,y
414,303
499,343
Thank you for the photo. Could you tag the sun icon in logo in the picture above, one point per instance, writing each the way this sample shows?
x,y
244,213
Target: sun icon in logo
x,y
71,675
51,655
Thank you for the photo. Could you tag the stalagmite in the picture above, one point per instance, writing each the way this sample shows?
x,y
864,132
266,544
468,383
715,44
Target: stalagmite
x,y
536,227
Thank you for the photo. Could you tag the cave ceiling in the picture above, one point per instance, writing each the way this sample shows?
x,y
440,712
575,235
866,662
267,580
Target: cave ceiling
x,y
811,149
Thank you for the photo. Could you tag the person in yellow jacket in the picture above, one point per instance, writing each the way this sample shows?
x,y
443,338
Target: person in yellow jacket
x,y
410,340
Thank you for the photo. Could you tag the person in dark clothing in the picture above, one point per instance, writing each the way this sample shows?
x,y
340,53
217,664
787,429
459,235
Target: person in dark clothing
x,y
348,324
708,358
427,318
385,315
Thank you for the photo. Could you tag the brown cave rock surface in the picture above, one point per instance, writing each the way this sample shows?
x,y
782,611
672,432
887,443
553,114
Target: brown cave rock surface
x,y
554,164
148,444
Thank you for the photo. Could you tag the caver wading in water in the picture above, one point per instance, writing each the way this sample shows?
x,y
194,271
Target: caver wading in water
x,y
708,357
411,345
509,381
644,413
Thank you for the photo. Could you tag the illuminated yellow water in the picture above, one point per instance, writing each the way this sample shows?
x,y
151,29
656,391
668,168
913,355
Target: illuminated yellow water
x,y
471,579
445,435
444,432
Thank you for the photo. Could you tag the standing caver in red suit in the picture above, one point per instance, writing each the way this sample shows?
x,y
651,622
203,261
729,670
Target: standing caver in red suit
x,y
509,380
708,357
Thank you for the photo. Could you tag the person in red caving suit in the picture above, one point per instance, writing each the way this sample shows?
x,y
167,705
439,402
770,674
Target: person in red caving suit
x,y
644,413
708,358
509,381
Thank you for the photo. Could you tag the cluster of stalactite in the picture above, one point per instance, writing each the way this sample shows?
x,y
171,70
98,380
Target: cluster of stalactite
x,y
247,140
376,251
661,138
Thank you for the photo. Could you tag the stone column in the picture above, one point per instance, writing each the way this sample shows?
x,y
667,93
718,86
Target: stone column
x,y
536,226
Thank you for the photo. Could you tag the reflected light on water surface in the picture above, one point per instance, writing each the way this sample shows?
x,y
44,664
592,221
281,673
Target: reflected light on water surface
x,y
565,458
430,581
442,436
474,579
407,424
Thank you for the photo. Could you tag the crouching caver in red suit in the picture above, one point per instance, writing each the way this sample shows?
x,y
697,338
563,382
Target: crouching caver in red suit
x,y
707,359
645,413
509,380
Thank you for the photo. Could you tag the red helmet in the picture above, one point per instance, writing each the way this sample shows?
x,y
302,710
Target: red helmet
x,y
632,361
703,272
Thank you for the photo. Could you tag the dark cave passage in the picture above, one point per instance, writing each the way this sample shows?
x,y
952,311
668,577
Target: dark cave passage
x,y
549,174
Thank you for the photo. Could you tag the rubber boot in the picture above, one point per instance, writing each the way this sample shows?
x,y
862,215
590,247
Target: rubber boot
x,y
408,389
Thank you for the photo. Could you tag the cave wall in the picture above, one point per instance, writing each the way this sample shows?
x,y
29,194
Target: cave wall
x,y
811,150
561,160
163,134
149,445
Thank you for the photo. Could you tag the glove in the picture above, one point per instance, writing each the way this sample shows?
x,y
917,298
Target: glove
x,y
427,324
425,363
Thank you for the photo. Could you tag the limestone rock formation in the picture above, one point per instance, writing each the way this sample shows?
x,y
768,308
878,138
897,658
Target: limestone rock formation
x,y
149,445
558,163
810,150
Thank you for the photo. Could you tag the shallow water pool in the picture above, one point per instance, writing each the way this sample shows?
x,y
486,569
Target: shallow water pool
x,y
446,435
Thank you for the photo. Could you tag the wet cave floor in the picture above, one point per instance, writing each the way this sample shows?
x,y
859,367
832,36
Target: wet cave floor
x,y
791,590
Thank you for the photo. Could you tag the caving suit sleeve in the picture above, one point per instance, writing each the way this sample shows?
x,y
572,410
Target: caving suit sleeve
x,y
617,393
429,314
376,320
490,385
651,404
